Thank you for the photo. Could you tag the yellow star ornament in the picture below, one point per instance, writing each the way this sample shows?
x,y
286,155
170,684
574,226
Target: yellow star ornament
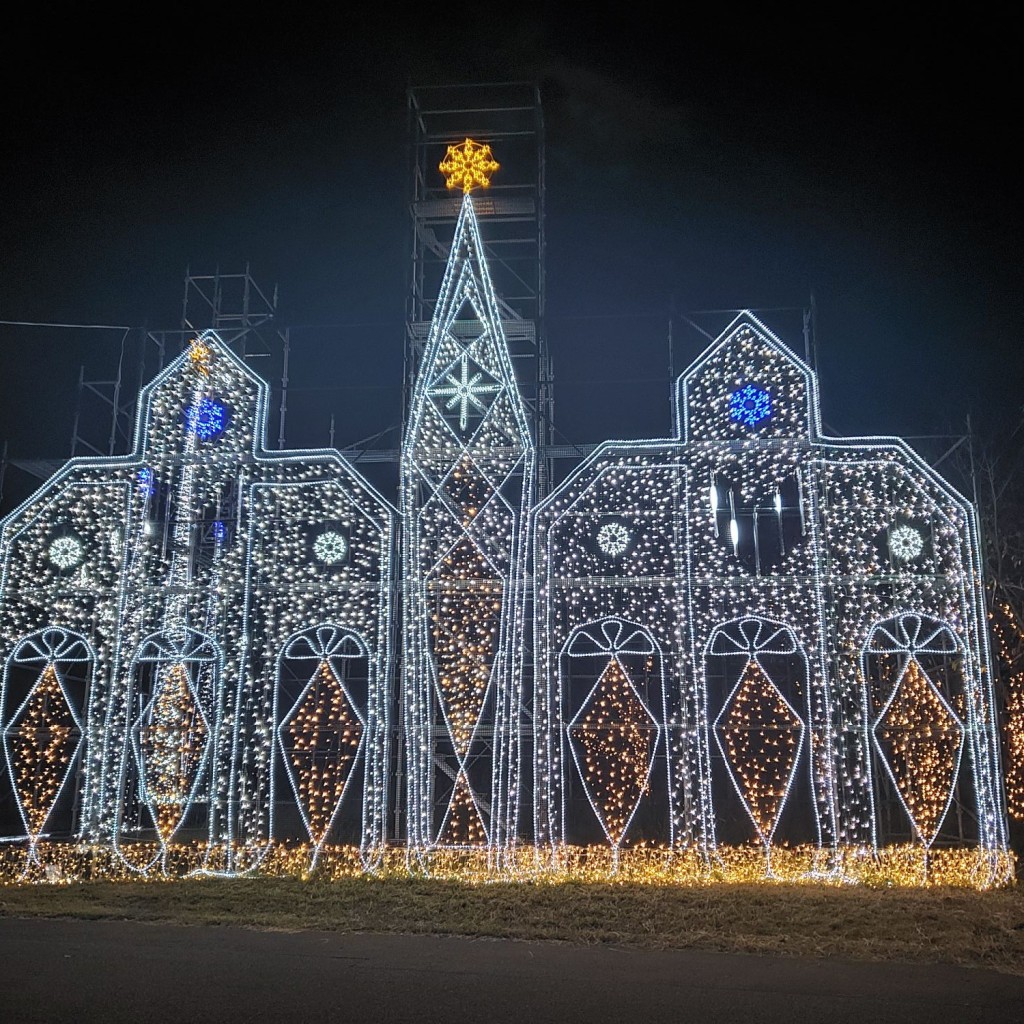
x,y
468,166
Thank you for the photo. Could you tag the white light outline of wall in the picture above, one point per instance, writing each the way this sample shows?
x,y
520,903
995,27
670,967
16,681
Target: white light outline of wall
x,y
118,473
379,516
907,648
896,456
546,518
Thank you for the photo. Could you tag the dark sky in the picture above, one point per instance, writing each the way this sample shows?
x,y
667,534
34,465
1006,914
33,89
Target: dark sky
x,y
707,165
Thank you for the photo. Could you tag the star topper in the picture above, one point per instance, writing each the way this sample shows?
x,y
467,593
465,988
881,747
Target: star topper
x,y
199,357
468,166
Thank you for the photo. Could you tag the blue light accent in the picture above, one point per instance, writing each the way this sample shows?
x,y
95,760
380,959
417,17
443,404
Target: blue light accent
x,y
750,405
145,478
219,531
206,419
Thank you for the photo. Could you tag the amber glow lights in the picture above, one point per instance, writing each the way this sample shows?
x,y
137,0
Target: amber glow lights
x,y
757,652
468,165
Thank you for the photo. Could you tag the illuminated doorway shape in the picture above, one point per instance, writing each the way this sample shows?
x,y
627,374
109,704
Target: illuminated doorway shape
x,y
175,687
322,735
758,730
43,734
915,732
614,734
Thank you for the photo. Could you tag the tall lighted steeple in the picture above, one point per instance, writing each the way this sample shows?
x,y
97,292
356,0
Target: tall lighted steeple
x,y
467,479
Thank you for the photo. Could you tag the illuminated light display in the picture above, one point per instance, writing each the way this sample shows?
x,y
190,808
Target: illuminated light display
x,y
613,539
321,738
818,675
1008,637
66,552
330,547
746,664
760,737
184,637
613,739
750,405
41,740
466,486
207,418
468,165
905,542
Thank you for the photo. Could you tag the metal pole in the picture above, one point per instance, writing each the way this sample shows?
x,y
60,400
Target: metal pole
x,y
284,382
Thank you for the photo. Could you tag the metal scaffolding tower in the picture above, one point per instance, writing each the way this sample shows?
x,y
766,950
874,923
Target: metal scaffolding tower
x,y
508,117
232,304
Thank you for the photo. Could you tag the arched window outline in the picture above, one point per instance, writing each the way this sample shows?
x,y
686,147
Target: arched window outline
x,y
906,635
611,638
194,652
755,636
48,648
325,644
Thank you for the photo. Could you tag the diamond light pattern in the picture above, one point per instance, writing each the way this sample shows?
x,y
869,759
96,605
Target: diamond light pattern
x,y
321,738
920,739
759,734
614,737
464,632
463,825
466,484
43,738
172,740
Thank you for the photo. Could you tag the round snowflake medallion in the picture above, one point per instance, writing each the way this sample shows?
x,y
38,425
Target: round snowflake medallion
x,y
905,543
330,547
66,552
613,539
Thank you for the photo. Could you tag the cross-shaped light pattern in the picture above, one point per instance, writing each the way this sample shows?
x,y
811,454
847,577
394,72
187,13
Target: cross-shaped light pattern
x,y
463,391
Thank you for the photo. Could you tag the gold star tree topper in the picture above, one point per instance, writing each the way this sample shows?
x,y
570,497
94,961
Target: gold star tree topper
x,y
468,166
199,357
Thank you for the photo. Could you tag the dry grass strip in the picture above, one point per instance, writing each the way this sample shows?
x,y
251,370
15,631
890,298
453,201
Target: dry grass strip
x,y
980,929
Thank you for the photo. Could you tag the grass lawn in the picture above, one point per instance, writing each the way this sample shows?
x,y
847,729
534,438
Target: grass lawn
x,y
980,929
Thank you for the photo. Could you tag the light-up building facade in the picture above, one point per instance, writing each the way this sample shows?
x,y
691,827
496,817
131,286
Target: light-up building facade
x,y
196,639
751,633
747,637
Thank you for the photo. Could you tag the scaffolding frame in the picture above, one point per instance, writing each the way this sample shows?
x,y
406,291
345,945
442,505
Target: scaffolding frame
x,y
508,116
235,306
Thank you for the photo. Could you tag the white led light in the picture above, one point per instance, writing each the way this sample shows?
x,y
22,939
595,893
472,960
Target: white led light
x,y
613,539
190,603
769,715
330,547
905,542
66,552
466,489
702,693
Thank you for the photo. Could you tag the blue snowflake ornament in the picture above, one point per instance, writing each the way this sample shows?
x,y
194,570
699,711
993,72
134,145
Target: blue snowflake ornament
x,y
206,418
750,405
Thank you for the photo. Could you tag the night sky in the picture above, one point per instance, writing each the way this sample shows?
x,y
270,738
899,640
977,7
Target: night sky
x,y
694,167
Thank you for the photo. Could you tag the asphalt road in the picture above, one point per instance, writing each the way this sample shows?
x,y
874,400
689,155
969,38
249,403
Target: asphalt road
x,y
112,971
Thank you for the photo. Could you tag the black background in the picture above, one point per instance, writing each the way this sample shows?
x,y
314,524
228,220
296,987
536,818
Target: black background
x,y
707,163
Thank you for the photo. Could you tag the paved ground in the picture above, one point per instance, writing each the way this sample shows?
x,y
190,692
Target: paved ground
x,y
112,971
